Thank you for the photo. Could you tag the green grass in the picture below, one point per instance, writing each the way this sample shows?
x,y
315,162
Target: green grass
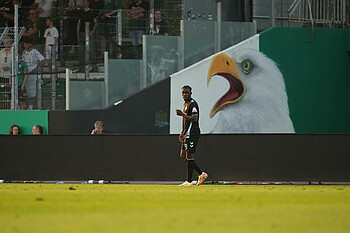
x,y
167,208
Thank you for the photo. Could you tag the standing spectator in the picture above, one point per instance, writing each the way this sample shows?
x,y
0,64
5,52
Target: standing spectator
x,y
6,59
108,27
98,128
44,8
87,16
7,13
26,5
51,39
97,8
37,130
15,130
32,57
160,27
74,8
22,13
137,14
35,29
5,73
22,74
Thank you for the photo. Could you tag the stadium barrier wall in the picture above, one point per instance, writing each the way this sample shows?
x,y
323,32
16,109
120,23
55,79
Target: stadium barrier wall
x,y
239,157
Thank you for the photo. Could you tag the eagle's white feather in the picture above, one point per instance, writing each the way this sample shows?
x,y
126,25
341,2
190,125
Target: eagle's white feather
x,y
264,107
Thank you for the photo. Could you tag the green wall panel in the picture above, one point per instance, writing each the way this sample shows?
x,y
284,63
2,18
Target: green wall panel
x,y
316,72
25,120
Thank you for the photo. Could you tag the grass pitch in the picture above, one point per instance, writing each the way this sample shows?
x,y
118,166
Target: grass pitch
x,y
166,208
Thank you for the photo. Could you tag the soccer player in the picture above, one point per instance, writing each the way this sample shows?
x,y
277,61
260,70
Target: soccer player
x,y
189,136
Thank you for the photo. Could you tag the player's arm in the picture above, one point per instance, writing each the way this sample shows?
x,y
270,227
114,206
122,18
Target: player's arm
x,y
24,84
193,118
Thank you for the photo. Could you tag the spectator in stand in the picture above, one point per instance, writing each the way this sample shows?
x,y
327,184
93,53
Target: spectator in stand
x,y
160,27
32,57
5,73
137,14
21,12
35,30
98,128
6,60
26,6
51,39
22,83
87,16
74,8
97,8
37,130
15,130
108,27
44,8
22,74
7,13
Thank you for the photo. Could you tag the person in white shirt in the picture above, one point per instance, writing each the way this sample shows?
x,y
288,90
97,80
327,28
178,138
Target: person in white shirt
x,y
45,8
32,57
51,39
6,58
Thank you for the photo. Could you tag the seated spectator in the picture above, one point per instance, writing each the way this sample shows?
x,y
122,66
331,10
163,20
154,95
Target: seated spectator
x,y
37,130
15,130
98,128
160,27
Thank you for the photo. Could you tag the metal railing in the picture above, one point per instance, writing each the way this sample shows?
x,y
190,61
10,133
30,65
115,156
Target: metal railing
x,y
332,12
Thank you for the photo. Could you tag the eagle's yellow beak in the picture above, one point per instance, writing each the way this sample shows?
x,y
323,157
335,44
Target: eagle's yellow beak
x,y
226,67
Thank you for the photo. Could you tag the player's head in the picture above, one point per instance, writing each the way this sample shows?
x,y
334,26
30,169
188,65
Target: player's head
x,y
186,92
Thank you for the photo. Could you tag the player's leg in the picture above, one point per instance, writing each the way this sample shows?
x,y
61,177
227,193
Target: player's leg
x,y
192,146
183,155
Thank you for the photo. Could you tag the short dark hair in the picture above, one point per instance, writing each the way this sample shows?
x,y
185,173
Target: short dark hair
x,y
188,87
27,40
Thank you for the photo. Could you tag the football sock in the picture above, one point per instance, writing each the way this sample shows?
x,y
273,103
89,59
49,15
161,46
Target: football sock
x,y
198,170
190,167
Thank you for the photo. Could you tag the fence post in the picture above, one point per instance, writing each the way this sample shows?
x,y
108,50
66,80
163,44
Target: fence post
x,y
53,77
87,49
106,79
67,88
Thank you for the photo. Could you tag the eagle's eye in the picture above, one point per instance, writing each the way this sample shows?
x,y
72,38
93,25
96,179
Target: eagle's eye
x,y
228,63
247,66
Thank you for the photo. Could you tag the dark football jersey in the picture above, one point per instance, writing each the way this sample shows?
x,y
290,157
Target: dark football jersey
x,y
189,127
